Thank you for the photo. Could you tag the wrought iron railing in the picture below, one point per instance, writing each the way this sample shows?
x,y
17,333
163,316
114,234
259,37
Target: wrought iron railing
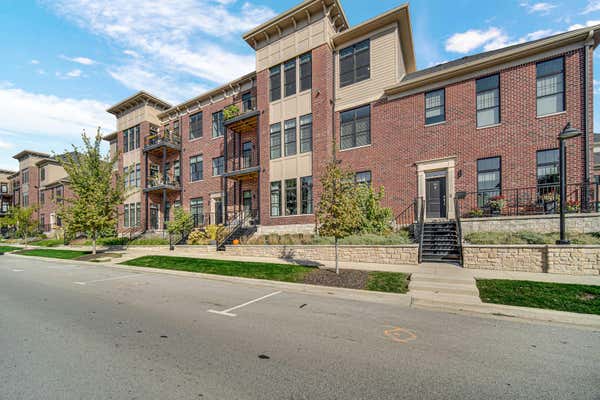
x,y
421,207
240,107
247,159
160,180
408,216
233,225
162,138
458,228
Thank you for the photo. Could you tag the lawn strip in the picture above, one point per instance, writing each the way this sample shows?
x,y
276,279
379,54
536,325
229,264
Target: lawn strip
x,y
52,253
6,249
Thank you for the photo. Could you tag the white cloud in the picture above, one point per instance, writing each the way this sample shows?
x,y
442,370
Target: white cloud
x,y
587,23
76,73
131,53
472,39
34,62
5,145
41,71
592,6
541,7
540,34
79,60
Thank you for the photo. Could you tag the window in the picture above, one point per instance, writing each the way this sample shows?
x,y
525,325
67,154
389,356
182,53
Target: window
x,y
275,83
547,169
138,214
59,194
196,170
289,75
132,176
435,106
363,177
126,216
196,126
176,128
550,84
197,211
126,176
4,188
218,165
275,139
275,199
138,175
25,176
131,138
307,195
488,101
43,174
306,133
42,199
247,102
356,127
290,137
247,155
355,63
177,172
291,197
305,72
218,124
25,199
489,179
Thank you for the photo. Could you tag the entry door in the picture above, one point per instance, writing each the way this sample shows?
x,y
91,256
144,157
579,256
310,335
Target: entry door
x,y
154,217
436,198
247,201
218,211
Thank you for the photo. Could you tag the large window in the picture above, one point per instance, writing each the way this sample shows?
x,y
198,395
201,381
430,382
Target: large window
x,y
25,199
197,211
196,125
306,133
275,83
4,188
275,141
488,101
363,177
356,127
42,198
489,179
550,86
196,170
305,72
131,138
355,63
218,165
176,128
291,197
290,137
307,194
138,175
289,76
275,199
547,169
218,124
25,177
43,174
132,213
435,106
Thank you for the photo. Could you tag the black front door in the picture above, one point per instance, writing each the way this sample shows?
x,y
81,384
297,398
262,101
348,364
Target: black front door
x,y
436,197
154,217
218,211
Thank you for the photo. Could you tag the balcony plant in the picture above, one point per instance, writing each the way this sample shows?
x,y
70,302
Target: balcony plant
x,y
476,213
550,201
231,111
497,203
573,206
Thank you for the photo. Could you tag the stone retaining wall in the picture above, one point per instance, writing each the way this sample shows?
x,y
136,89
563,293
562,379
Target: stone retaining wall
x,y
402,254
580,223
572,259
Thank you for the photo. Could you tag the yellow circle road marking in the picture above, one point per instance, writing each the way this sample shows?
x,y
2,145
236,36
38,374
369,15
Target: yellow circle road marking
x,y
400,335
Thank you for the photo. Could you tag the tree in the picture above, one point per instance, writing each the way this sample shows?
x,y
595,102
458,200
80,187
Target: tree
x,y
96,193
182,222
21,218
338,213
374,218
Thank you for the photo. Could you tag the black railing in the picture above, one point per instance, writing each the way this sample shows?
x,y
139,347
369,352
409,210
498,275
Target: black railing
x,y
245,160
233,225
421,207
159,180
240,107
162,138
540,200
458,228
408,216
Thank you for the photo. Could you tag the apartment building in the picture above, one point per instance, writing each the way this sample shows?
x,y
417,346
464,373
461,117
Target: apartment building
x,y
597,154
6,193
256,148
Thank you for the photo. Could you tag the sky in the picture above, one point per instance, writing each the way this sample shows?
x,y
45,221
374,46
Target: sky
x,y
66,61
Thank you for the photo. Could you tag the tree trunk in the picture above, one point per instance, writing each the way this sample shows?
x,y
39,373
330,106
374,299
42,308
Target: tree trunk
x,y
337,266
94,244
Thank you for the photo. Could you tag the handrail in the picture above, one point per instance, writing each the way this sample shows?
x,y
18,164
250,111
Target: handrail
x,y
239,221
408,216
458,228
421,228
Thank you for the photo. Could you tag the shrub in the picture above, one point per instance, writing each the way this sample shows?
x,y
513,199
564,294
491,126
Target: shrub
x,y
198,237
476,213
231,111
374,217
149,242
212,231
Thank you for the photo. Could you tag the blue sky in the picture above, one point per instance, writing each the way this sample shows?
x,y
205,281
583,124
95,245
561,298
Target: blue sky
x,y
66,61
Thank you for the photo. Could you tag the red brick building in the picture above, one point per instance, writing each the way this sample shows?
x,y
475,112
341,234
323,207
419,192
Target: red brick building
x,y
255,148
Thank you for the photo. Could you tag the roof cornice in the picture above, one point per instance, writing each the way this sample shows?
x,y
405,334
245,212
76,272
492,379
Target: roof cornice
x,y
19,156
141,97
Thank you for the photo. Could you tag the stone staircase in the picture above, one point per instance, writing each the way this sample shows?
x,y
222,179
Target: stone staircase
x,y
440,242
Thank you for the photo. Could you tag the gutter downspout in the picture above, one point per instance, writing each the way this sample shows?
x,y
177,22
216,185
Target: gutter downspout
x,y
586,124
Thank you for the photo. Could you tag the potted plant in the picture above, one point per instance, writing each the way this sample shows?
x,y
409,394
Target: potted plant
x,y
550,201
231,111
476,213
573,206
496,204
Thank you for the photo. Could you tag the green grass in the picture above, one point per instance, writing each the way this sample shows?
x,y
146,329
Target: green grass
x,y
525,237
274,272
392,282
552,296
47,242
51,253
6,249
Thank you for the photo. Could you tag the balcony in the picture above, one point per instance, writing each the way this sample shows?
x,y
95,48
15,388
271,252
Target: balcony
x,y
243,166
242,116
158,143
158,183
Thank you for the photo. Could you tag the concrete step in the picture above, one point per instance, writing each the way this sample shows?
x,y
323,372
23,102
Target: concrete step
x,y
468,289
457,278
421,298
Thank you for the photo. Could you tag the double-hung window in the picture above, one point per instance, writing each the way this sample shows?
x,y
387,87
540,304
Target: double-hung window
x,y
550,85
197,211
355,63
435,106
275,83
547,171
275,199
196,125
196,170
488,101
306,133
307,194
305,72
289,76
489,178
138,175
290,137
218,165
218,124
356,127
291,196
275,141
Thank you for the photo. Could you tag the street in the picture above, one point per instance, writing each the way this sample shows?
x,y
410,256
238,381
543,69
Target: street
x,y
70,331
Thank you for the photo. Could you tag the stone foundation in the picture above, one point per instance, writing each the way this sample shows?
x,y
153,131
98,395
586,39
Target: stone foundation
x,y
404,254
580,223
572,259
283,229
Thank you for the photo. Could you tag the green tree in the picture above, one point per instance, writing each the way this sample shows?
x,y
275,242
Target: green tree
x,y
182,222
21,218
97,190
374,218
338,212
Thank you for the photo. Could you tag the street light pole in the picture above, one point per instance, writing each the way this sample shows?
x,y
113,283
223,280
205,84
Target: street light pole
x,y
567,133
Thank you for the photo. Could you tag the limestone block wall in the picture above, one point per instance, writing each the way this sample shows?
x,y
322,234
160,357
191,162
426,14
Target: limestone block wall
x,y
580,223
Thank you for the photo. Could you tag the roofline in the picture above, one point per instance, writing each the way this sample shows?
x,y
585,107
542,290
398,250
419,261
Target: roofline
x,y
7,171
202,96
47,161
286,14
400,14
23,153
127,103
58,182
535,47
110,136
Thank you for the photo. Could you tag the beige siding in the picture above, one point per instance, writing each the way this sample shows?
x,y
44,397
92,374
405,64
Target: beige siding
x,y
138,115
386,68
290,107
290,167
53,173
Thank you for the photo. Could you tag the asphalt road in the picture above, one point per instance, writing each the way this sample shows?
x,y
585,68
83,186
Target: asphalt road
x,y
92,332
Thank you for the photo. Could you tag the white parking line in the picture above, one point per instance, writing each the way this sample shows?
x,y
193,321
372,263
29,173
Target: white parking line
x,y
227,312
18,270
108,279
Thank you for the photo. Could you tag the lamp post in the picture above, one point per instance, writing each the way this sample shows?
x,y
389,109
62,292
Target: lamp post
x,y
567,133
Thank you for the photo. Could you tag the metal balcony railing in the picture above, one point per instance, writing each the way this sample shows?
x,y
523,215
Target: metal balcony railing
x,y
159,181
246,160
162,138
240,107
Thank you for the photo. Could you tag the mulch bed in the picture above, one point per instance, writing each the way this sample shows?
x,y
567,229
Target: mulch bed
x,y
348,278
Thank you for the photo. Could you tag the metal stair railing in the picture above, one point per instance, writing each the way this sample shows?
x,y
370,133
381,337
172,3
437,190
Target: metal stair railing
x,y
238,222
458,228
421,228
